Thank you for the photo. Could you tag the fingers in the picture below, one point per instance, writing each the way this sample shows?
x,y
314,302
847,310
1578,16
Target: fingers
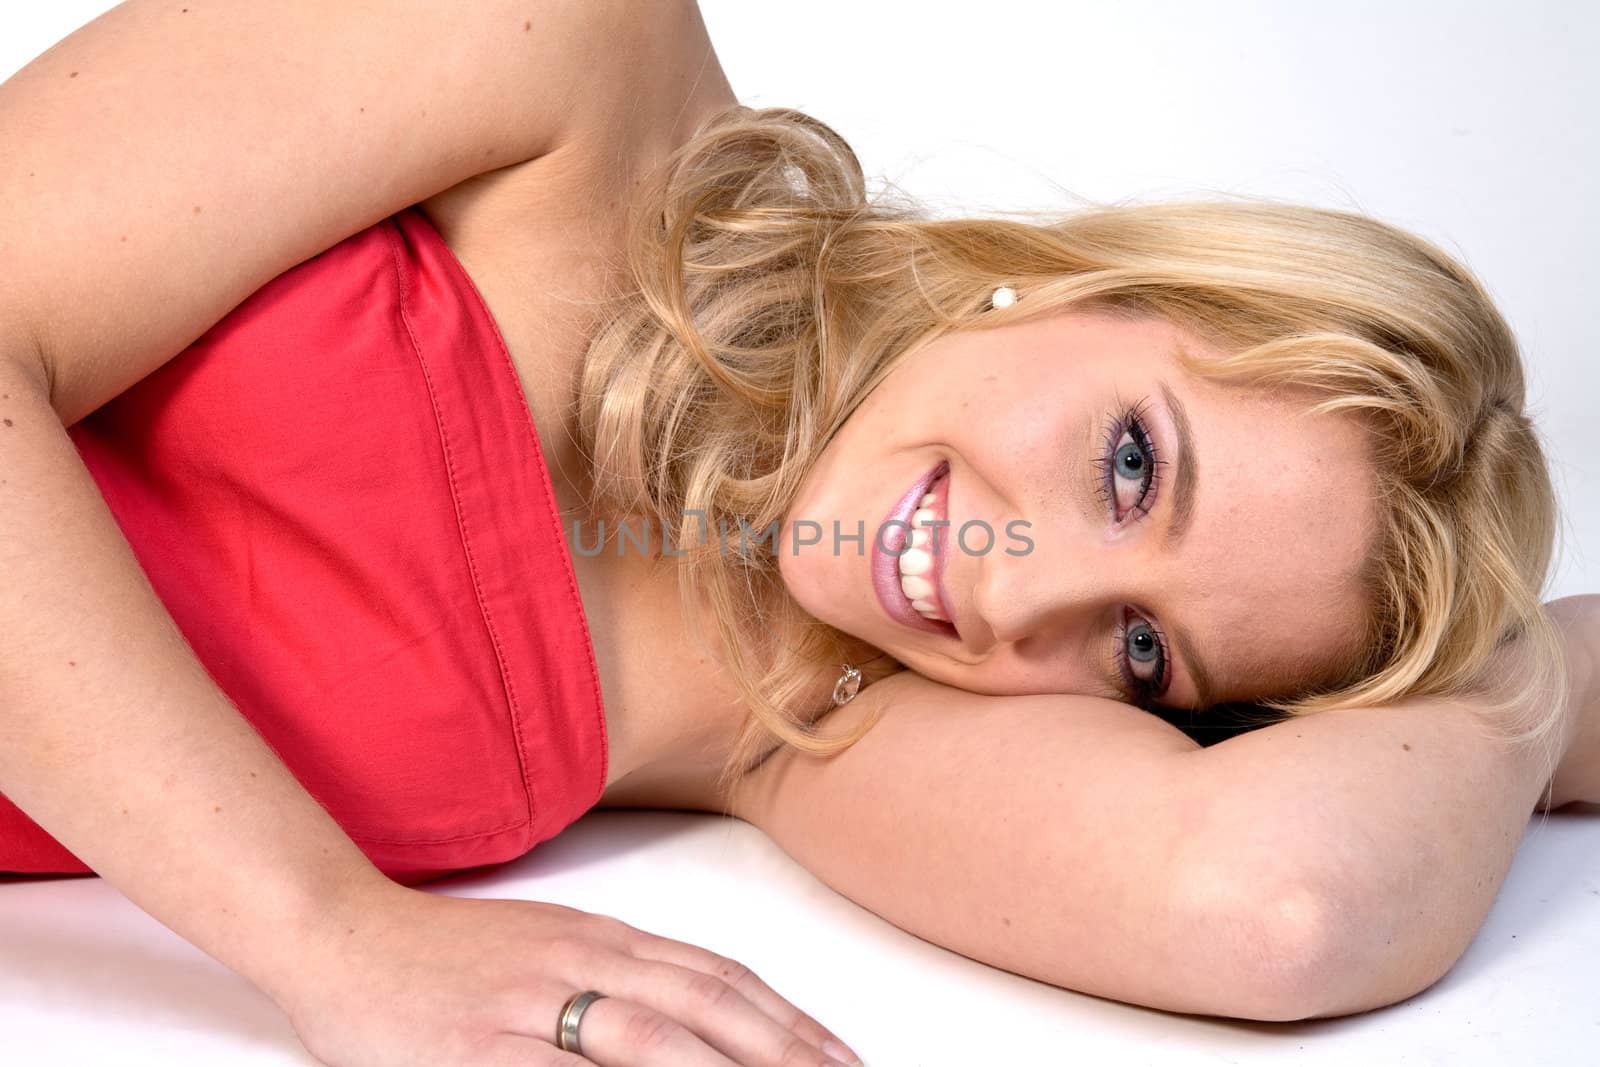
x,y
519,1050
616,1032
751,988
716,1013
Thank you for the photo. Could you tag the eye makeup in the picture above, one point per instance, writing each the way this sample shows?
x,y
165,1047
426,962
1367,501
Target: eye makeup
x,y
1128,476
1128,463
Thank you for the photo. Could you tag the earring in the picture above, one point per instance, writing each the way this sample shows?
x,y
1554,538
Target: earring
x,y
848,685
1003,297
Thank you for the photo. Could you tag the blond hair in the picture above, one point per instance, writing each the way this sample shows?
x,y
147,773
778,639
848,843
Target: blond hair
x,y
771,294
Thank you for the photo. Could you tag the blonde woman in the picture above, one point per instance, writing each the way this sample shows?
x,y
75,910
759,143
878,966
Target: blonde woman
x,y
426,422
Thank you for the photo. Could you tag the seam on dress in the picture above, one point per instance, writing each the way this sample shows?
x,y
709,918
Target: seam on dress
x,y
553,511
394,240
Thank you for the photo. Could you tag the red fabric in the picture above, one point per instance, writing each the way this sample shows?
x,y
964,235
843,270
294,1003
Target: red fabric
x,y
339,495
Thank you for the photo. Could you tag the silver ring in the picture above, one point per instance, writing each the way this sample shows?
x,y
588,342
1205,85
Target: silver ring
x,y
571,1014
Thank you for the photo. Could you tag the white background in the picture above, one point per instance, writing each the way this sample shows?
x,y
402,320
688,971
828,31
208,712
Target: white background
x,y
1474,124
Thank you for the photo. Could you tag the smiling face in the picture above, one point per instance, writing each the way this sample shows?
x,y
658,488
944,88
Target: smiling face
x,y
1116,525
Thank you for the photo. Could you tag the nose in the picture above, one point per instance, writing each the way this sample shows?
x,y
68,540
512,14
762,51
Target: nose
x,y
1053,597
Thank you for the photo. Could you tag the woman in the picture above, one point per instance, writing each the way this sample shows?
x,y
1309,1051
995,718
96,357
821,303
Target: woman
x,y
762,348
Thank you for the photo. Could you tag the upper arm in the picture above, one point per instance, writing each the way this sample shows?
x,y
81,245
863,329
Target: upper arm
x,y
165,161
1283,873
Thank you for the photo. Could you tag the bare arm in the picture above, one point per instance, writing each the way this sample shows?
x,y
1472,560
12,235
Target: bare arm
x,y
160,165
1315,867
113,737
164,162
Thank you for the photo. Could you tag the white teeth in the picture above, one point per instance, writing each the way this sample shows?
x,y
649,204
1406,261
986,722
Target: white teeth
x,y
915,561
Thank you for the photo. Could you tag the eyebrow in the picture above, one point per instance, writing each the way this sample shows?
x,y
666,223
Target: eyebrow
x,y
1178,521
1188,468
1204,687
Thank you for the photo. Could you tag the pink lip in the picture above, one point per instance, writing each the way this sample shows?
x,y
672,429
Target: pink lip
x,y
887,543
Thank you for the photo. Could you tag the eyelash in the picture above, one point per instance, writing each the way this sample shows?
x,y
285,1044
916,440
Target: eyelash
x,y
1131,422
1141,692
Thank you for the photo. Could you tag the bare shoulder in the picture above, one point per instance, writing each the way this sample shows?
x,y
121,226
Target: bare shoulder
x,y
542,236
263,134
650,78
657,75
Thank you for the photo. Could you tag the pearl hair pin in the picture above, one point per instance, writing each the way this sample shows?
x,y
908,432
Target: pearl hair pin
x,y
1003,297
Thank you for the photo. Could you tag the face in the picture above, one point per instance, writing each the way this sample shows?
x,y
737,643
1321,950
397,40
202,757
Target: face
x,y
1056,506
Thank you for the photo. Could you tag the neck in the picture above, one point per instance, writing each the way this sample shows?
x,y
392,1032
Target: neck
x,y
674,709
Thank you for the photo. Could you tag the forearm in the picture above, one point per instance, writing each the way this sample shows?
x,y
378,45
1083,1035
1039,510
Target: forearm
x,y
1316,867
1050,836
116,741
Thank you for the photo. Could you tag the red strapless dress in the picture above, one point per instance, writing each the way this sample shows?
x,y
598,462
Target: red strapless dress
x,y
339,495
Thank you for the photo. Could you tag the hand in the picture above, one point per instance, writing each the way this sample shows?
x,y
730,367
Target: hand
x,y
410,978
1577,779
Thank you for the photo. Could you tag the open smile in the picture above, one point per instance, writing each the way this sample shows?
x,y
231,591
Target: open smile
x,y
908,556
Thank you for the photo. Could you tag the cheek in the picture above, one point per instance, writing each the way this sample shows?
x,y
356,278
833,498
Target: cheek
x,y
808,575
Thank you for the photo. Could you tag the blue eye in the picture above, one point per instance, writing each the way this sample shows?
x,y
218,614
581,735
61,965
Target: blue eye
x,y
1129,467
1142,657
1142,644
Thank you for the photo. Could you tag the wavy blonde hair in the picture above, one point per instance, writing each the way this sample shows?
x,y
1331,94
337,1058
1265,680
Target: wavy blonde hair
x,y
771,294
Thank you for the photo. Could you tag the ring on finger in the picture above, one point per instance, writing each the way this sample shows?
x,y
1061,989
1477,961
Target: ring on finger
x,y
571,1015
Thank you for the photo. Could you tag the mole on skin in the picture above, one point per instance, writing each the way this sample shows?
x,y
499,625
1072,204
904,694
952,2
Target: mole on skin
x,y
1406,747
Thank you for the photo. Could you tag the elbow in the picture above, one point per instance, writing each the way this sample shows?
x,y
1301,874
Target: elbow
x,y
1278,952
1314,951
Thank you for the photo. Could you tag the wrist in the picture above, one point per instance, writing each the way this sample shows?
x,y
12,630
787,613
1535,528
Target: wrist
x,y
1577,777
317,926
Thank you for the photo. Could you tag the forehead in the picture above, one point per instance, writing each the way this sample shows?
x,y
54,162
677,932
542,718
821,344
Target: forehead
x,y
1283,526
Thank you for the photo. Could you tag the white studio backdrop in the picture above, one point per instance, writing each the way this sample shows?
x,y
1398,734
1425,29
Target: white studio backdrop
x,y
1475,124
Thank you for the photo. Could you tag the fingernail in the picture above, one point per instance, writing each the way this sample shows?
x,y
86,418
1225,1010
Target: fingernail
x,y
840,1053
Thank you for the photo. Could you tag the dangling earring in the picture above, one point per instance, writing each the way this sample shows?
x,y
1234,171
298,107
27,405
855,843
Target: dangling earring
x,y
848,685
1003,297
